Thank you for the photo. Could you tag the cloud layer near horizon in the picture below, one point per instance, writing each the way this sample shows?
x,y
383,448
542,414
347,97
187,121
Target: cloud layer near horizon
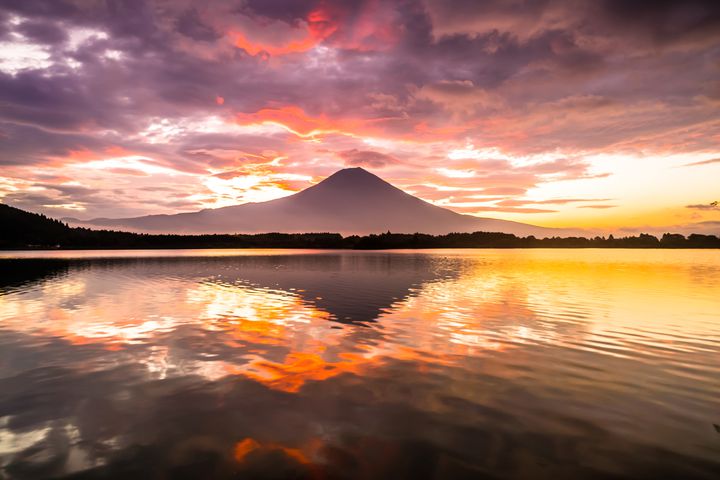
x,y
534,110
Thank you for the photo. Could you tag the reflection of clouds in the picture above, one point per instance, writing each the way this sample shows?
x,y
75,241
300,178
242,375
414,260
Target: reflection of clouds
x,y
231,304
132,331
479,311
44,449
238,426
252,318
15,441
165,356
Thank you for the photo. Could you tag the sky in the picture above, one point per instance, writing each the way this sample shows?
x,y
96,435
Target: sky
x,y
588,113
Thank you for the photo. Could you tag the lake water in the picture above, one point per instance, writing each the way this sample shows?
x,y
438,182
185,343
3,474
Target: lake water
x,y
326,364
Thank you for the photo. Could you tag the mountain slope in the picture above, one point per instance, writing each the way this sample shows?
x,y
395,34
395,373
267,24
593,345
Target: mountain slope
x,y
351,201
26,228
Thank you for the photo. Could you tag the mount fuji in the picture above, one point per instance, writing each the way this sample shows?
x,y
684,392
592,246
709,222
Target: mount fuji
x,y
350,201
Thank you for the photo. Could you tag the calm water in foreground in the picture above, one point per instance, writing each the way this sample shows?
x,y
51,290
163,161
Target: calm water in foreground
x,y
314,364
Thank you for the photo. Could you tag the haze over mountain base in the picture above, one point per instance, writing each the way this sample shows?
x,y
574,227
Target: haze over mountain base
x,y
352,201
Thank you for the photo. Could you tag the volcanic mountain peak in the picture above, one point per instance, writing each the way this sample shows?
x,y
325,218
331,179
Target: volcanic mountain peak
x,y
355,174
352,180
350,201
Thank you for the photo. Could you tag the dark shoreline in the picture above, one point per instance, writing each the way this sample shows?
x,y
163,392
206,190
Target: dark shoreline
x,y
31,231
84,239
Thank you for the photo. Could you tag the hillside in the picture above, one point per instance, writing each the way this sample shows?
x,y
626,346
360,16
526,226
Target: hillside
x,y
24,230
352,201
30,229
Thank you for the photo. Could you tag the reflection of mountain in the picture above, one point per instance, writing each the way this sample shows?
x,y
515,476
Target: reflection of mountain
x,y
216,368
350,287
351,201
20,273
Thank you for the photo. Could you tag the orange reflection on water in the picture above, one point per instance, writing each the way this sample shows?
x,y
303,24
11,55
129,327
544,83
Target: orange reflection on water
x,y
499,300
300,367
248,445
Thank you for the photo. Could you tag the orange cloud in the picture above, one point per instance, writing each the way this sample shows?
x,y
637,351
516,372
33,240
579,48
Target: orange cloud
x,y
128,171
87,155
320,25
255,48
295,120
368,30
372,29
248,445
244,447
81,155
116,151
422,128
300,367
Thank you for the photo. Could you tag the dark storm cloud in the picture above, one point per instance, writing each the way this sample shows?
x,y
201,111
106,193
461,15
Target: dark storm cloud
x,y
492,58
664,21
190,24
42,8
290,11
43,32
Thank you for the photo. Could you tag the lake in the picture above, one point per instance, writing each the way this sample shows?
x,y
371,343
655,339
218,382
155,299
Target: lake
x,y
343,364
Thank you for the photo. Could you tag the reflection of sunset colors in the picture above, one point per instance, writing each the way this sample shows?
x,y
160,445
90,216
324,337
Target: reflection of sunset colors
x,y
270,318
284,340
234,363
597,114
248,445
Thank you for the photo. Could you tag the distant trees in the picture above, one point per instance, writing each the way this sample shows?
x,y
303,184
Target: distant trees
x,y
673,240
506,240
25,230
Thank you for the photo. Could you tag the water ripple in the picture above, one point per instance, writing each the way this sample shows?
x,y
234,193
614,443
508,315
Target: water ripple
x,y
500,364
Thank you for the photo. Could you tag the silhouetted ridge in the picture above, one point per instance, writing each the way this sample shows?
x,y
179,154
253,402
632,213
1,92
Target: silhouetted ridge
x,y
350,201
356,178
353,174
25,230
351,182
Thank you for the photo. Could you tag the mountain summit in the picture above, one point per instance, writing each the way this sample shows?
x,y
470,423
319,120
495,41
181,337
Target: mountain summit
x,y
350,201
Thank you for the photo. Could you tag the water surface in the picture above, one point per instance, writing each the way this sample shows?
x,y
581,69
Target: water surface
x,y
327,364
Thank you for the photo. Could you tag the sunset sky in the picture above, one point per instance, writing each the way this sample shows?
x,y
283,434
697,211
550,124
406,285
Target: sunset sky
x,y
593,114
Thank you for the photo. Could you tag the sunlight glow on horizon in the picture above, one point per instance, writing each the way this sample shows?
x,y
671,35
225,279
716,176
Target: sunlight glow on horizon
x,y
577,123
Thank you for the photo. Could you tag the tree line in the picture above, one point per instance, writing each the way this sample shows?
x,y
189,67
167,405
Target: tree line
x,y
25,230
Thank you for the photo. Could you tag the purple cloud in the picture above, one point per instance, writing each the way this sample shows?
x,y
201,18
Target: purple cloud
x,y
393,85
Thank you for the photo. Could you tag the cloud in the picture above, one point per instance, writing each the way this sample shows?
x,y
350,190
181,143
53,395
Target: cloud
x,y
191,25
304,88
664,23
476,209
43,32
702,162
552,201
367,158
503,191
712,206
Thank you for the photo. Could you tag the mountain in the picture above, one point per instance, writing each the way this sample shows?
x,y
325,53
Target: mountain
x,y
26,230
29,229
351,201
